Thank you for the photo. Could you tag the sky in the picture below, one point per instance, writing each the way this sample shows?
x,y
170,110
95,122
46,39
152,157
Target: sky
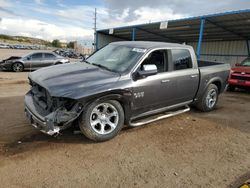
x,y
73,20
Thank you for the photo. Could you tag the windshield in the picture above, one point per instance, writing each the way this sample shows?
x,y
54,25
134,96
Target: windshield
x,y
116,58
246,62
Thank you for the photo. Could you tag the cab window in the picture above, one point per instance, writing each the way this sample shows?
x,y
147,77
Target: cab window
x,y
181,59
158,58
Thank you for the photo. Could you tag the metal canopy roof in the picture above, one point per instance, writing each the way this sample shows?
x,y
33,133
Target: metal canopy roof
x,y
227,26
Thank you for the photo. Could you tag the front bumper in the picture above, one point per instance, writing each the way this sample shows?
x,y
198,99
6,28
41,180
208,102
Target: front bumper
x,y
5,66
53,122
41,124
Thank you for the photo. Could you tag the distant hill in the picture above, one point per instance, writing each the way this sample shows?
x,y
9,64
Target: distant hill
x,y
23,40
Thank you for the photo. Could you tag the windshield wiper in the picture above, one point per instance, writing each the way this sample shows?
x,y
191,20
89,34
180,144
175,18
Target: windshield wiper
x,y
103,67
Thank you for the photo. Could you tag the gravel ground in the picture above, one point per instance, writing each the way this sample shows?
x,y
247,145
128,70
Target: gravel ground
x,y
191,150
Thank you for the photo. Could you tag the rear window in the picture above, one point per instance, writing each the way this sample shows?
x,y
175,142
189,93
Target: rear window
x,y
49,56
181,59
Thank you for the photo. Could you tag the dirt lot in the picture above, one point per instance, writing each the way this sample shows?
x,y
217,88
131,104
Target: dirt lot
x,y
191,150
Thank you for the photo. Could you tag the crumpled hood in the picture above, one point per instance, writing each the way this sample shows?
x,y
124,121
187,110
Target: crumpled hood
x,y
241,69
74,80
11,58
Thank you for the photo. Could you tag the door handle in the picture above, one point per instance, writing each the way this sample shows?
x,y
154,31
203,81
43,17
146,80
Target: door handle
x,y
165,81
194,76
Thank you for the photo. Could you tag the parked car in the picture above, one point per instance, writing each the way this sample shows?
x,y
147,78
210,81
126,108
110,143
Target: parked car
x,y
4,46
32,61
240,75
132,83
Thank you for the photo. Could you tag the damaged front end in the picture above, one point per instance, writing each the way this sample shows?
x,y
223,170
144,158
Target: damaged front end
x,y
50,114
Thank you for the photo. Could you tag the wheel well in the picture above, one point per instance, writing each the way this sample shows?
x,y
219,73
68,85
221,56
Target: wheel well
x,y
118,98
18,62
125,107
218,84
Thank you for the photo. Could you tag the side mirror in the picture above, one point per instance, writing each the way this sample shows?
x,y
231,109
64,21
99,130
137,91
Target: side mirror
x,y
28,58
148,70
237,64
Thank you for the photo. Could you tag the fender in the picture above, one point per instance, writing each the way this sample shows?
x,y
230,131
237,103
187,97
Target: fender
x,y
212,80
18,61
122,96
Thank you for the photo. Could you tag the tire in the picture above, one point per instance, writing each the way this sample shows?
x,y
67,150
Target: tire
x,y
230,88
102,120
17,67
209,99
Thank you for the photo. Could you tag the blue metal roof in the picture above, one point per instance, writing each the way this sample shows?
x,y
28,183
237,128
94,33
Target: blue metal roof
x,y
186,19
232,25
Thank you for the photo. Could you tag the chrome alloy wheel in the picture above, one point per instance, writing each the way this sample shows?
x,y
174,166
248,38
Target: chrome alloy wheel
x,y
211,98
104,118
18,67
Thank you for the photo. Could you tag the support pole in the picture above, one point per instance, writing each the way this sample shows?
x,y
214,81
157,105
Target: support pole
x,y
96,41
133,34
95,34
248,48
198,52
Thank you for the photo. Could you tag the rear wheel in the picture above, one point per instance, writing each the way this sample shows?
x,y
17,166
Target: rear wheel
x,y
102,120
17,67
209,99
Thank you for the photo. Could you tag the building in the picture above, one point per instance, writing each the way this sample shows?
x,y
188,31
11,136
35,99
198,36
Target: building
x,y
222,37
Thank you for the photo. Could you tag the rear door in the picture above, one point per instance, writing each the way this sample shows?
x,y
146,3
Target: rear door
x,y
49,59
185,75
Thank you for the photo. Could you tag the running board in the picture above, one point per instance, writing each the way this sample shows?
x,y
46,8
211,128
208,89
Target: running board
x,y
159,117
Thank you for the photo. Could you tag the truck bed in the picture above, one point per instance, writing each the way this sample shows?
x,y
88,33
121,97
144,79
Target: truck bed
x,y
210,71
202,63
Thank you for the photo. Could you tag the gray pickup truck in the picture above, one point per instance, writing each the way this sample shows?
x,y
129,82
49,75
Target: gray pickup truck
x,y
124,83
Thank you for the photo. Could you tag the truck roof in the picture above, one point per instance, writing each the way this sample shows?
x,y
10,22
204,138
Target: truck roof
x,y
150,45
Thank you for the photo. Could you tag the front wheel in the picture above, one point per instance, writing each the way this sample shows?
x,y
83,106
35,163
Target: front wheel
x,y
102,120
17,67
209,99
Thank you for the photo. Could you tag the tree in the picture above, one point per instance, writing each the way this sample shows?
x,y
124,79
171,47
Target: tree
x,y
56,43
70,45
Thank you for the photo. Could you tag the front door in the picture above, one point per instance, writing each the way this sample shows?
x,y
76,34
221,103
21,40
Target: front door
x,y
36,60
154,91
